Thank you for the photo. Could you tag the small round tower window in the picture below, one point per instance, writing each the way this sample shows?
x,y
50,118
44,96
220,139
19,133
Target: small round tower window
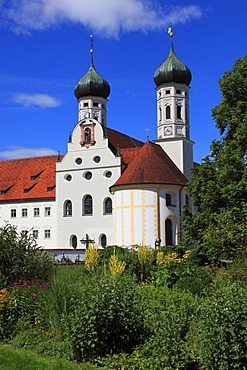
x,y
88,175
108,174
68,177
78,161
97,159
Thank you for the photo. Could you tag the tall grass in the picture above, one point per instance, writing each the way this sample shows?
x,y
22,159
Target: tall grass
x,y
57,301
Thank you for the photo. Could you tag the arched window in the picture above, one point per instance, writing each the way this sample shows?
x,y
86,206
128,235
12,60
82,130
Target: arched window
x,y
169,232
87,206
168,112
160,114
87,135
73,241
108,206
103,240
179,112
67,208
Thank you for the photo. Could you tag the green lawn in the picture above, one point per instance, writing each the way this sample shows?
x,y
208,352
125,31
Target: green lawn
x,y
18,359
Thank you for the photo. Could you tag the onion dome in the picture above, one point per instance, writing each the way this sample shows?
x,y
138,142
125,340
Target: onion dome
x,y
92,83
172,70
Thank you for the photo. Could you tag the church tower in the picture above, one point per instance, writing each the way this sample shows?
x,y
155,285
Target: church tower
x,y
92,91
172,79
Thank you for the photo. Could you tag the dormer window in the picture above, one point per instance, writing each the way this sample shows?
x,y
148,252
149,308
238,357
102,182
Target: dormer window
x,y
50,188
35,175
26,190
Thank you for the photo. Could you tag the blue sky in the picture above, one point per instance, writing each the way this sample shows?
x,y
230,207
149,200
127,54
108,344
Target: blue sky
x,y
45,50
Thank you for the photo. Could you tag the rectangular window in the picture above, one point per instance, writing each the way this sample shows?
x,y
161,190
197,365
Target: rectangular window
x,y
95,104
47,211
85,105
36,212
24,232
179,112
168,199
168,92
24,212
47,234
35,234
178,91
187,200
13,213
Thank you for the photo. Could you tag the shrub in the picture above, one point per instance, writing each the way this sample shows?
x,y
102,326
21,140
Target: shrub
x,y
20,258
222,329
168,315
105,317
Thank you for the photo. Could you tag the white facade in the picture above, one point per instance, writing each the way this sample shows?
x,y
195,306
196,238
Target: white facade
x,y
35,218
86,171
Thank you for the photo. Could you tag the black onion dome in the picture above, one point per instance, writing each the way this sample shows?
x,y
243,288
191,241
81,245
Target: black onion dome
x,y
92,84
172,70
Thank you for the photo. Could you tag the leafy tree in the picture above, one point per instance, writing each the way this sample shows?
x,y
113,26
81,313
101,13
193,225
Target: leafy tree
x,y
218,189
20,258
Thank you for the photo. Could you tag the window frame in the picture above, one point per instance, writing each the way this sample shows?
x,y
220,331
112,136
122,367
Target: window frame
x,y
87,198
106,205
36,212
24,212
67,208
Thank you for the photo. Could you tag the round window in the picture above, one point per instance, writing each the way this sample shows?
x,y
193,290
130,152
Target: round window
x,y
68,177
78,160
97,159
88,175
108,174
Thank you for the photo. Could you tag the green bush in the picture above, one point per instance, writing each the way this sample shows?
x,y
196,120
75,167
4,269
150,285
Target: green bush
x,y
104,318
222,329
168,314
20,258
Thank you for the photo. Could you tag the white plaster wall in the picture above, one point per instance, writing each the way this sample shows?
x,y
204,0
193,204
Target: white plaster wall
x,y
137,223
40,223
74,190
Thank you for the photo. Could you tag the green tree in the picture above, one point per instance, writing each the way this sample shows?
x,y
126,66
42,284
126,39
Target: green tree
x,y
20,258
219,186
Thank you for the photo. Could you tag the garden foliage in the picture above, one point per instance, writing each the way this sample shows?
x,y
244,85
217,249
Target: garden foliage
x,y
20,258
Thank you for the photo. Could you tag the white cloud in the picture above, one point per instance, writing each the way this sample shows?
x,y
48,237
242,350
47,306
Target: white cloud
x,y
40,100
13,152
105,17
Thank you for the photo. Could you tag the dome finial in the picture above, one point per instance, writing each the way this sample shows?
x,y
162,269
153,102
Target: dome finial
x,y
170,31
91,49
171,34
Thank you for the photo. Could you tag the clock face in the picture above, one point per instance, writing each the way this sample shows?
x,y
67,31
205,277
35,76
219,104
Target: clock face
x,y
168,130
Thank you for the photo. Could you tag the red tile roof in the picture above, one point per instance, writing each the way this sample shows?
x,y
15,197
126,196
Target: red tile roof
x,y
28,178
35,178
119,140
149,165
